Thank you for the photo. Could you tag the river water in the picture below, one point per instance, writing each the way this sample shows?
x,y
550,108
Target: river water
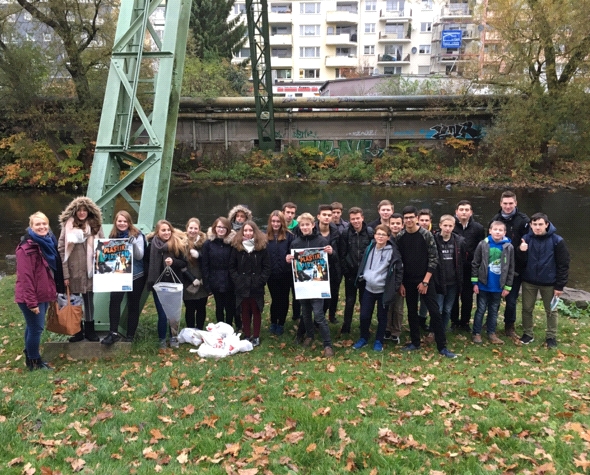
x,y
569,210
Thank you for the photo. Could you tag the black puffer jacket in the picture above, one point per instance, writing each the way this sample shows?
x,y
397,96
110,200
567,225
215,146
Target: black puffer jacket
x,y
277,251
310,241
333,259
215,262
516,228
473,233
352,248
249,272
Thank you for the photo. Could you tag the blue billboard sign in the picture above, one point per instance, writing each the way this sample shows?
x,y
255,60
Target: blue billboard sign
x,y
452,38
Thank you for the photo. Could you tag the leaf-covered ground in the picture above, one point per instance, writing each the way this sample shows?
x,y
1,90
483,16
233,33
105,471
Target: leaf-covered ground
x,y
282,409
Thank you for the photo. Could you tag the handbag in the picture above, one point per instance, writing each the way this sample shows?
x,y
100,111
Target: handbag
x,y
65,320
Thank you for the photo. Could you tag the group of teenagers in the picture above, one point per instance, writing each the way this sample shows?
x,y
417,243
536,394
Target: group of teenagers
x,y
397,257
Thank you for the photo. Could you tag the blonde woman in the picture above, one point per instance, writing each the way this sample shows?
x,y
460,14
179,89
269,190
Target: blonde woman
x,y
195,296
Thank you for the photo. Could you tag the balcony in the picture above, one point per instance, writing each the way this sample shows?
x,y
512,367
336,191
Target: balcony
x,y
395,37
343,17
349,61
455,10
281,61
393,59
398,15
341,39
454,57
280,40
283,15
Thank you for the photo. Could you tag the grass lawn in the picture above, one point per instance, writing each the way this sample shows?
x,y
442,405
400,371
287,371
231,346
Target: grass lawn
x,y
281,409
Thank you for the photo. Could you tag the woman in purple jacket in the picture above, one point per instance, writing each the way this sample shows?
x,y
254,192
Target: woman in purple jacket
x,y
38,267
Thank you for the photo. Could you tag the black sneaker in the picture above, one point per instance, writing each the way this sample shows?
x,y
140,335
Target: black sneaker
x,y
525,339
395,339
111,338
387,335
551,343
333,320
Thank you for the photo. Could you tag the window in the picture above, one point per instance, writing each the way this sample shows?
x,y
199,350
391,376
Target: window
x,y
281,52
281,8
426,4
369,49
309,8
309,73
393,53
371,5
239,8
369,27
425,27
343,52
347,7
309,52
309,30
395,5
243,53
395,30
280,30
424,49
392,70
281,73
423,69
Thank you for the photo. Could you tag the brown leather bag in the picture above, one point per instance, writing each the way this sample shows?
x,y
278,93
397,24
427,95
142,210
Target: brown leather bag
x,y
65,321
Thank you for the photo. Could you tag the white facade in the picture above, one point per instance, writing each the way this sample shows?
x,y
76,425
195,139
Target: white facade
x,y
329,39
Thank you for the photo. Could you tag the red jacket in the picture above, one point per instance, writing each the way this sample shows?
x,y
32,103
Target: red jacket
x,y
34,279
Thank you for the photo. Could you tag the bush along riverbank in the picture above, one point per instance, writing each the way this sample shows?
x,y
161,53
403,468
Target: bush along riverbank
x,y
25,164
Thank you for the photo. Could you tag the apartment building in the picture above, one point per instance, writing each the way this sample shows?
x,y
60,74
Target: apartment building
x,y
330,39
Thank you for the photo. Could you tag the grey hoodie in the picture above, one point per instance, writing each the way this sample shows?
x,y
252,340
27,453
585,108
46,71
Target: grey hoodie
x,y
375,271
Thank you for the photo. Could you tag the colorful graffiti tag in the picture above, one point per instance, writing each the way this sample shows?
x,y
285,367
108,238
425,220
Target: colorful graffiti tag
x,y
339,148
466,130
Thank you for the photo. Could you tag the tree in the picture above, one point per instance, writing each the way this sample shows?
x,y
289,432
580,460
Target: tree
x,y
214,78
85,30
215,36
541,57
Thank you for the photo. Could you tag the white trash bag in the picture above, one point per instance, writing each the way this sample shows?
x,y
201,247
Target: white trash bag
x,y
224,329
75,299
191,336
170,297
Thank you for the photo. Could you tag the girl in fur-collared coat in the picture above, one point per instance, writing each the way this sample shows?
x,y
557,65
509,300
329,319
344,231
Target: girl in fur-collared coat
x,y
249,267
81,224
215,265
195,296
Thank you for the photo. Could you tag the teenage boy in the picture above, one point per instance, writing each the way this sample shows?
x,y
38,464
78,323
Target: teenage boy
x,y
449,275
420,259
425,221
517,225
546,271
308,237
395,312
337,217
385,209
238,215
353,243
328,230
492,274
472,232
289,211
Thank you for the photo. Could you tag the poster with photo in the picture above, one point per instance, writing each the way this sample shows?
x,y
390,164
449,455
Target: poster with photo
x,y
311,273
113,265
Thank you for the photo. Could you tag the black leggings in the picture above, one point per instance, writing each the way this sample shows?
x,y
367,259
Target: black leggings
x,y
133,299
195,313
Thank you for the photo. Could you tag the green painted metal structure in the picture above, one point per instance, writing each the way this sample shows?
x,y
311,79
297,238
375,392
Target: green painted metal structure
x,y
143,88
257,16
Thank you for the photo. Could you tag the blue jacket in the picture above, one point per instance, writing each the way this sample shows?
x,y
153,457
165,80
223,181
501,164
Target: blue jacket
x,y
547,259
277,251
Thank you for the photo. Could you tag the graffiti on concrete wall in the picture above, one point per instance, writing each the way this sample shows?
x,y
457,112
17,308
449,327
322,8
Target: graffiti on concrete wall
x,y
340,148
303,134
466,130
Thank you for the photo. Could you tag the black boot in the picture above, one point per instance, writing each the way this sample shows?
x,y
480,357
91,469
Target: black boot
x,y
78,336
27,360
111,338
89,331
38,363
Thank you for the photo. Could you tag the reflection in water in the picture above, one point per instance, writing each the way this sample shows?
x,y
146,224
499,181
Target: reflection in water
x,y
569,210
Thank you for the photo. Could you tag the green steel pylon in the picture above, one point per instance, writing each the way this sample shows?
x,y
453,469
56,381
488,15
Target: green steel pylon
x,y
257,16
137,129
138,124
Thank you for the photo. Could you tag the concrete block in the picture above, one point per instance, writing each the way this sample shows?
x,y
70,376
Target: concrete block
x,y
84,350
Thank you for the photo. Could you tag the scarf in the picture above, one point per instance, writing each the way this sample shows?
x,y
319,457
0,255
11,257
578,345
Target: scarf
x,y
156,263
248,245
48,245
78,236
236,226
123,234
508,216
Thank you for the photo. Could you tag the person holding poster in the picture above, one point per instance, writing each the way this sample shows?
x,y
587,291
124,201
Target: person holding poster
x,y
81,224
123,228
309,238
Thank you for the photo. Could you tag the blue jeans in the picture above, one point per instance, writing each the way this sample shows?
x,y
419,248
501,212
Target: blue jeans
x,y
511,298
489,301
315,307
445,304
34,328
368,301
162,319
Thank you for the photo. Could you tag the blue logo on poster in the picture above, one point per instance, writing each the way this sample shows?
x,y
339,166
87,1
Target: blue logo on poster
x,y
452,38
